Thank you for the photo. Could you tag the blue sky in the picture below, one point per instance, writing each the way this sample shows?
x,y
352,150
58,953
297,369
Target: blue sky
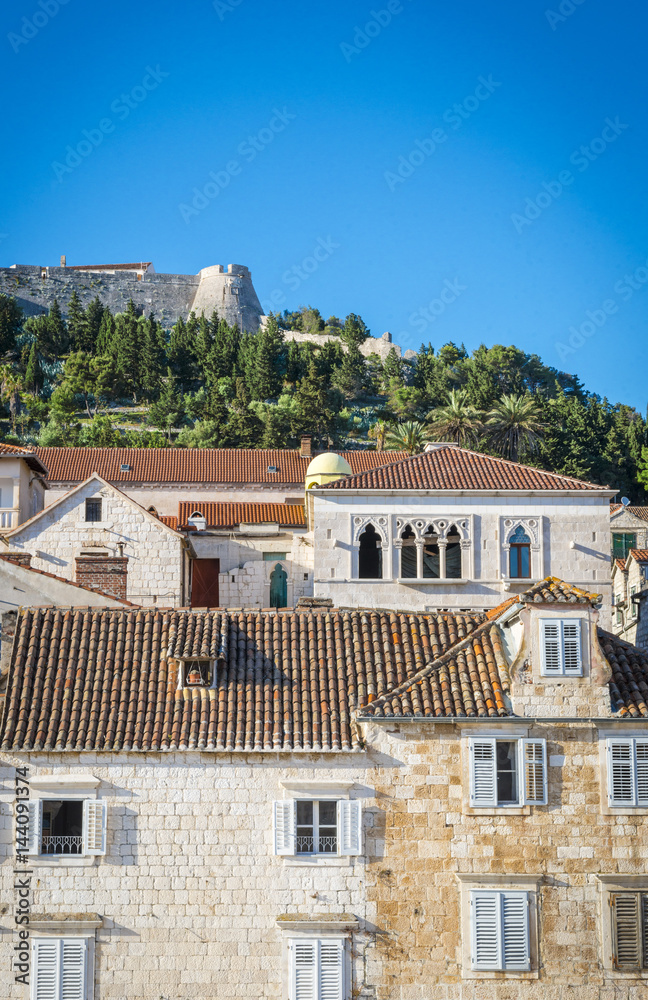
x,y
430,152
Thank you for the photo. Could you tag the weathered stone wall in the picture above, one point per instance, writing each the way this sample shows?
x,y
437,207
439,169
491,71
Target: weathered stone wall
x,y
624,521
372,345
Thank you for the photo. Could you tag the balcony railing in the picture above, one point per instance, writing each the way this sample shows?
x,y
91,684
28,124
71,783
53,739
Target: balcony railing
x,y
8,518
52,844
326,845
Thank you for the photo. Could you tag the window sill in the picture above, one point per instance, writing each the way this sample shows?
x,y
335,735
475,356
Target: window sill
x,y
497,810
479,974
320,860
61,861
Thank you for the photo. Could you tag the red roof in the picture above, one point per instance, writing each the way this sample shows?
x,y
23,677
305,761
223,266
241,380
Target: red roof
x,y
641,555
452,468
16,451
230,515
192,465
640,512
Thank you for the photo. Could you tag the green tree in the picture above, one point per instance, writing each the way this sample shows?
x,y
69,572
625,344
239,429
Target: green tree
x,y
350,378
93,319
97,379
76,323
515,426
11,321
181,355
316,407
409,437
243,427
34,377
354,332
168,411
456,421
268,362
101,433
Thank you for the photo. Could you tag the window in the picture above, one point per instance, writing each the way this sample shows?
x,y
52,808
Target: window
x,y
93,509
59,968
627,772
519,555
431,551
499,930
629,930
370,555
316,968
622,542
409,570
507,772
67,826
124,467
317,826
453,554
431,555
561,647
275,556
196,673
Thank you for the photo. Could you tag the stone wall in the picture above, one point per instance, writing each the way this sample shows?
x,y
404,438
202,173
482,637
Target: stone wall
x,y
372,345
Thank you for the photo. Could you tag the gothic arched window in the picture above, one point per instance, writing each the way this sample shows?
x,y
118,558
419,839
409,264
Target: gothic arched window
x,y
453,554
431,557
519,554
408,554
370,554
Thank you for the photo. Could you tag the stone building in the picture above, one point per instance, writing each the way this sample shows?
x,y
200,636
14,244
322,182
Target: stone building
x,y
454,529
629,592
326,805
22,485
629,527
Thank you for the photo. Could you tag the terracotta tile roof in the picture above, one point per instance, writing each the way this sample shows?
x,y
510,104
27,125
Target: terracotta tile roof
x,y
620,563
192,465
107,679
551,590
230,515
170,520
16,451
451,468
640,512
629,684
641,555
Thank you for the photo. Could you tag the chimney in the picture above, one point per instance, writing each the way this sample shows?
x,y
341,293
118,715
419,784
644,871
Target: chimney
x,y
306,449
63,264
19,558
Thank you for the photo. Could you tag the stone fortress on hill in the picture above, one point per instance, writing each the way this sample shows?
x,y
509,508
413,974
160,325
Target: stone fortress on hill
x,y
228,290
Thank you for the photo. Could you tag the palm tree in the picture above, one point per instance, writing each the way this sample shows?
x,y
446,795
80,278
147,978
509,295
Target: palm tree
x,y
409,436
514,425
458,420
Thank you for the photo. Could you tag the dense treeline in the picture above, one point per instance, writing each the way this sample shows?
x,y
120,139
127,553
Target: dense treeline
x,y
99,379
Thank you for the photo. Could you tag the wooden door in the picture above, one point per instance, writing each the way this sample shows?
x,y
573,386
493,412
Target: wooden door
x,y
204,583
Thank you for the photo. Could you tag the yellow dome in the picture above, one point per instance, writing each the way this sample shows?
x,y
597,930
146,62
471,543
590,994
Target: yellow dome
x,y
325,468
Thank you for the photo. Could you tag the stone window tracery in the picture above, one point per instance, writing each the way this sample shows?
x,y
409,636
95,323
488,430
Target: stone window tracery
x,y
442,546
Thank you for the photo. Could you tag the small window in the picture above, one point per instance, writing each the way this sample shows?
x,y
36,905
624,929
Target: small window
x,y
93,509
125,467
69,827
370,555
629,930
561,647
59,969
499,930
627,772
506,773
317,826
520,555
622,543
453,554
408,557
275,556
316,969
197,673
431,555
273,468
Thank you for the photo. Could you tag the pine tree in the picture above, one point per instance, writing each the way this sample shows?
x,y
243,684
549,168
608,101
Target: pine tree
x,y
11,320
94,316
58,333
76,323
266,369
317,406
153,356
34,377
351,376
181,355
244,426
354,332
168,411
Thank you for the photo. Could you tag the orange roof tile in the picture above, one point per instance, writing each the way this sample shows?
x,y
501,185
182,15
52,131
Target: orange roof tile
x,y
230,514
451,468
641,555
640,512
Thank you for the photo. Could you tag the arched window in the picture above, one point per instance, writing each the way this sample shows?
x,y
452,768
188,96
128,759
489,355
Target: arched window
x,y
453,554
278,587
431,559
519,555
408,554
152,510
370,555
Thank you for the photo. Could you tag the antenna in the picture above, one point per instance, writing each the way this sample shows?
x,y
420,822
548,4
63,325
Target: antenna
x,y
625,501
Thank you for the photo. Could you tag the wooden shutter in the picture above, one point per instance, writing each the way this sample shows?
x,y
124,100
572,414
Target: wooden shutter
x,y
533,771
94,827
626,924
483,775
641,762
485,929
34,828
284,826
331,968
572,655
515,930
46,954
552,661
349,821
620,767
73,969
303,968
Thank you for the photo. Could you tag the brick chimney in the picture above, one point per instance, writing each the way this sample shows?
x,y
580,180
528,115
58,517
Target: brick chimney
x,y
19,558
63,262
106,573
306,450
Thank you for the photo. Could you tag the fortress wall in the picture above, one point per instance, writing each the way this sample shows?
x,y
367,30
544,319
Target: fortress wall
x,y
372,345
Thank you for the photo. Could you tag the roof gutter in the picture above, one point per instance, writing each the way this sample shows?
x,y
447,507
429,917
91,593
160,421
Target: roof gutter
x,y
432,492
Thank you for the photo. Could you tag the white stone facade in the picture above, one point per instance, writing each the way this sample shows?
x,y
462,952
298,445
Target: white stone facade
x,y
21,492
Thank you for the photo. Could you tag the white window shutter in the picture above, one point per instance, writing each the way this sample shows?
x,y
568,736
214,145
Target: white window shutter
x,y
641,760
620,767
626,923
34,827
284,826
331,970
533,771
94,827
45,975
303,969
552,661
515,930
483,774
349,820
572,656
485,929
73,969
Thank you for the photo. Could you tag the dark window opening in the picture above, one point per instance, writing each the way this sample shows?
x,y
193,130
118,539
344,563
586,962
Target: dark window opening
x,y
370,555
507,772
316,824
453,554
520,555
93,509
622,543
431,557
198,673
409,570
62,829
